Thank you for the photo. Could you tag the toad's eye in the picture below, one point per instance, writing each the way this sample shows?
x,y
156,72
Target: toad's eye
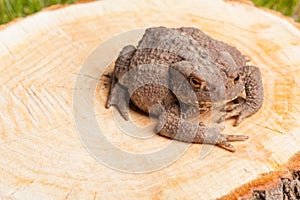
x,y
196,83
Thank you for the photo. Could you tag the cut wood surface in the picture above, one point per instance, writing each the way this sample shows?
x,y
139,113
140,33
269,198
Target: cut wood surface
x,y
42,156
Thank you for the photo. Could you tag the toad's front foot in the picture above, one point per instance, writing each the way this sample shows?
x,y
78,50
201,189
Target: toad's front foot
x,y
177,128
223,141
214,136
237,108
254,96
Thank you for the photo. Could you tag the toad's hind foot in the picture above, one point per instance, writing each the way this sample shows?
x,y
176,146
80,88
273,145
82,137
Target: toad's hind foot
x,y
118,97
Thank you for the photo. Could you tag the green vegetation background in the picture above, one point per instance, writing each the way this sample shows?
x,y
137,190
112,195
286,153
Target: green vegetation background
x,y
10,9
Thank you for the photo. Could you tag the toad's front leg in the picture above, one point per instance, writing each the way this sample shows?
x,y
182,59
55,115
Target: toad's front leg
x,y
254,96
174,127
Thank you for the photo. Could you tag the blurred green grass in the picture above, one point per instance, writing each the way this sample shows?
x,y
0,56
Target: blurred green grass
x,y
10,9
287,7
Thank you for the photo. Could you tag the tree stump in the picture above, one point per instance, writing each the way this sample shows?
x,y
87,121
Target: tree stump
x,y
42,155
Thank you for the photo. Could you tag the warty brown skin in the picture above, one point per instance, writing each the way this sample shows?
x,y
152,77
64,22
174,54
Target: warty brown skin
x,y
177,73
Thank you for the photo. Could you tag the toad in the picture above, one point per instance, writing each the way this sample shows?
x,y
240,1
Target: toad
x,y
176,73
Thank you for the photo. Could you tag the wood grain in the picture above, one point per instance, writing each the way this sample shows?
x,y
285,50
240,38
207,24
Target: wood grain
x,y
41,154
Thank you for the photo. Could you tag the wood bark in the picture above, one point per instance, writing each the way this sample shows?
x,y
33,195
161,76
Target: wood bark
x,y
42,153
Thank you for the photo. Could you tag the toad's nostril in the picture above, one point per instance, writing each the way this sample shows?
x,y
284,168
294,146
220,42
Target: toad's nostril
x,y
236,79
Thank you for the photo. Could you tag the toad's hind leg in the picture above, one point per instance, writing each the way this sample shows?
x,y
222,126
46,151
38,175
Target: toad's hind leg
x,y
118,95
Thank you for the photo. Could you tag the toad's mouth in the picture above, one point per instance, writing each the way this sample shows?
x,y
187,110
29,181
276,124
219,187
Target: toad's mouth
x,y
207,104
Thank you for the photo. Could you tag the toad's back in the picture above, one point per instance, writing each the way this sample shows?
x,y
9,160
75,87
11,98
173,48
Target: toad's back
x,y
166,46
